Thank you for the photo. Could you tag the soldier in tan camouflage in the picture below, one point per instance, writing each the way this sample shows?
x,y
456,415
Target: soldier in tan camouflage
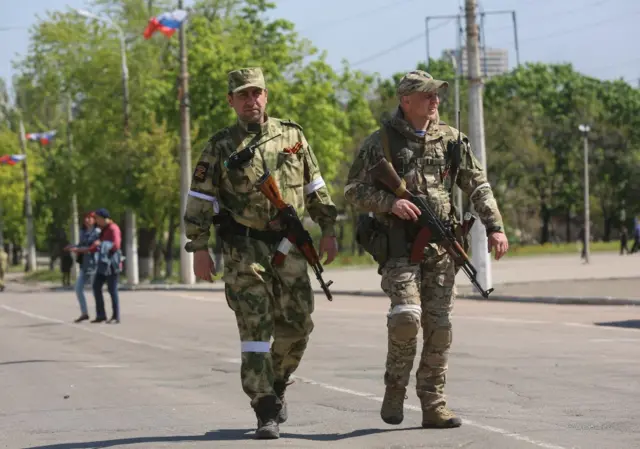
x,y
268,301
421,294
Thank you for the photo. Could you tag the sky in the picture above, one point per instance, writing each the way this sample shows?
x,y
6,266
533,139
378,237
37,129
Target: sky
x,y
599,37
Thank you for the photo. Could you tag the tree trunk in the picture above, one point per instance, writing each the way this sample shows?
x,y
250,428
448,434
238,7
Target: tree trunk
x,y
157,256
168,254
545,215
568,227
608,225
146,248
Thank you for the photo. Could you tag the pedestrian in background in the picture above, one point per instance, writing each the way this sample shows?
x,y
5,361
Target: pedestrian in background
x,y
89,233
108,265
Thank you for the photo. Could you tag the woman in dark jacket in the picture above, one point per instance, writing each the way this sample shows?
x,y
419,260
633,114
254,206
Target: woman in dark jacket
x,y
89,233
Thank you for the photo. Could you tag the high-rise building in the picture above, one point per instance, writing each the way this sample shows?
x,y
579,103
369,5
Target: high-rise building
x,y
493,61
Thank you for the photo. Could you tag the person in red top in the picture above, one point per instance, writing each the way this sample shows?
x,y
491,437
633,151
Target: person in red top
x,y
109,265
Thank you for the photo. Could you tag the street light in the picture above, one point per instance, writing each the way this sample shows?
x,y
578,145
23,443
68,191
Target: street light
x,y
584,129
131,245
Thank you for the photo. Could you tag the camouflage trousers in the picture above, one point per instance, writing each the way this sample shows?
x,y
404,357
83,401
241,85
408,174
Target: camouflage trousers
x,y
421,295
268,302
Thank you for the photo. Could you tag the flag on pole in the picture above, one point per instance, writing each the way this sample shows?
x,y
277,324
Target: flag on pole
x,y
11,159
167,23
43,138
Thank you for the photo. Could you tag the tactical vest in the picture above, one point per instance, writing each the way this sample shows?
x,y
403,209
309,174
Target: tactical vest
x,y
448,165
392,241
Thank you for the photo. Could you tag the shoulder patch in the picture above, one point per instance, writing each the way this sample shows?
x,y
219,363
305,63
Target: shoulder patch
x,y
291,123
200,172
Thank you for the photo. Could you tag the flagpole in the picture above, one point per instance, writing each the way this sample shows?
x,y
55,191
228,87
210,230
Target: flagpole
x,y
186,259
75,231
31,241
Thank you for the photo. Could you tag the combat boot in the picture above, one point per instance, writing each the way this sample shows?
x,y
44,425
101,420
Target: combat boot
x,y
279,387
267,410
392,410
439,417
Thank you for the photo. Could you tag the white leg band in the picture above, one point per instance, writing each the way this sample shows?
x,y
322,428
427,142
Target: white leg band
x,y
212,199
413,309
313,186
284,246
255,346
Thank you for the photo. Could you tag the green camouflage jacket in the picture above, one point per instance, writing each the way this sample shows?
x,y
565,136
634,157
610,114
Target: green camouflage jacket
x,y
289,158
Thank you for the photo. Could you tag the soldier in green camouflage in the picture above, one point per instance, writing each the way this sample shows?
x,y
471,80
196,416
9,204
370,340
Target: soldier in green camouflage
x,y
268,300
422,294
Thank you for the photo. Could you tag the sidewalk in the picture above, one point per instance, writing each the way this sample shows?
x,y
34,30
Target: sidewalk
x,y
560,279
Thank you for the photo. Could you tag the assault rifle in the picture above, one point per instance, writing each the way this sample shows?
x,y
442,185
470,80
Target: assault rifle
x,y
431,227
296,234
240,159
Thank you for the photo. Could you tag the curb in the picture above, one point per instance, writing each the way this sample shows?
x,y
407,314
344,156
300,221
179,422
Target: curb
x,y
560,300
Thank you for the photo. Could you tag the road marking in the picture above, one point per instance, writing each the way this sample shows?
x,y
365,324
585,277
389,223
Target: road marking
x,y
614,340
506,433
105,366
195,297
86,329
370,396
384,311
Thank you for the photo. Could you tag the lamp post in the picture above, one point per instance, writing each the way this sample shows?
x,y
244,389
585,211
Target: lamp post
x,y
584,129
131,244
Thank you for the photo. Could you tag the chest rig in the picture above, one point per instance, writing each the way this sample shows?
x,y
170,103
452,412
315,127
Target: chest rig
x,y
435,171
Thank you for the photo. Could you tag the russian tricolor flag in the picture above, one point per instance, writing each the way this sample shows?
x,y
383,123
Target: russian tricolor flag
x,y
167,23
11,159
44,138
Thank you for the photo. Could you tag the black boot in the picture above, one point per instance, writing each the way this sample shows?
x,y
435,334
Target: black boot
x,y
279,387
267,410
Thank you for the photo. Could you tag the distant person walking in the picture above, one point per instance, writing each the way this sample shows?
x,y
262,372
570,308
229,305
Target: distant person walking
x,y
89,233
624,238
108,265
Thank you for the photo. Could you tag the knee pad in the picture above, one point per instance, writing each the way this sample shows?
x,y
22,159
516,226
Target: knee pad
x,y
439,339
404,321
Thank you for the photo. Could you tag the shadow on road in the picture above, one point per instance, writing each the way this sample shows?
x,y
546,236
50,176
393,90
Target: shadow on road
x,y
216,435
629,324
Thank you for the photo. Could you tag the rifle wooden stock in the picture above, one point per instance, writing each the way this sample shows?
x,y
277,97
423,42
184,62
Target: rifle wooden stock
x,y
267,185
296,234
384,172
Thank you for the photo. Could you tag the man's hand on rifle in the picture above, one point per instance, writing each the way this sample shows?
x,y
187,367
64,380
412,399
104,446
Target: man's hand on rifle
x,y
328,245
405,209
499,242
203,267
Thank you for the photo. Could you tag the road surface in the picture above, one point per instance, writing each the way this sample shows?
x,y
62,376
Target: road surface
x,y
522,376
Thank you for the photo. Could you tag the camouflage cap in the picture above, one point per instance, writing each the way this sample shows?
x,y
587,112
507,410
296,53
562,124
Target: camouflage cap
x,y
243,78
419,81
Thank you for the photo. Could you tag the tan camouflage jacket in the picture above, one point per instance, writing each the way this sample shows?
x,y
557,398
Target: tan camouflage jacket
x,y
289,158
424,166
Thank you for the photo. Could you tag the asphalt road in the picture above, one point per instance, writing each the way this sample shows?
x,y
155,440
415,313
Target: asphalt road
x,y
521,376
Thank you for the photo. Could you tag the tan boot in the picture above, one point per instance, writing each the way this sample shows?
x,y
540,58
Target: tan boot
x,y
439,417
392,410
